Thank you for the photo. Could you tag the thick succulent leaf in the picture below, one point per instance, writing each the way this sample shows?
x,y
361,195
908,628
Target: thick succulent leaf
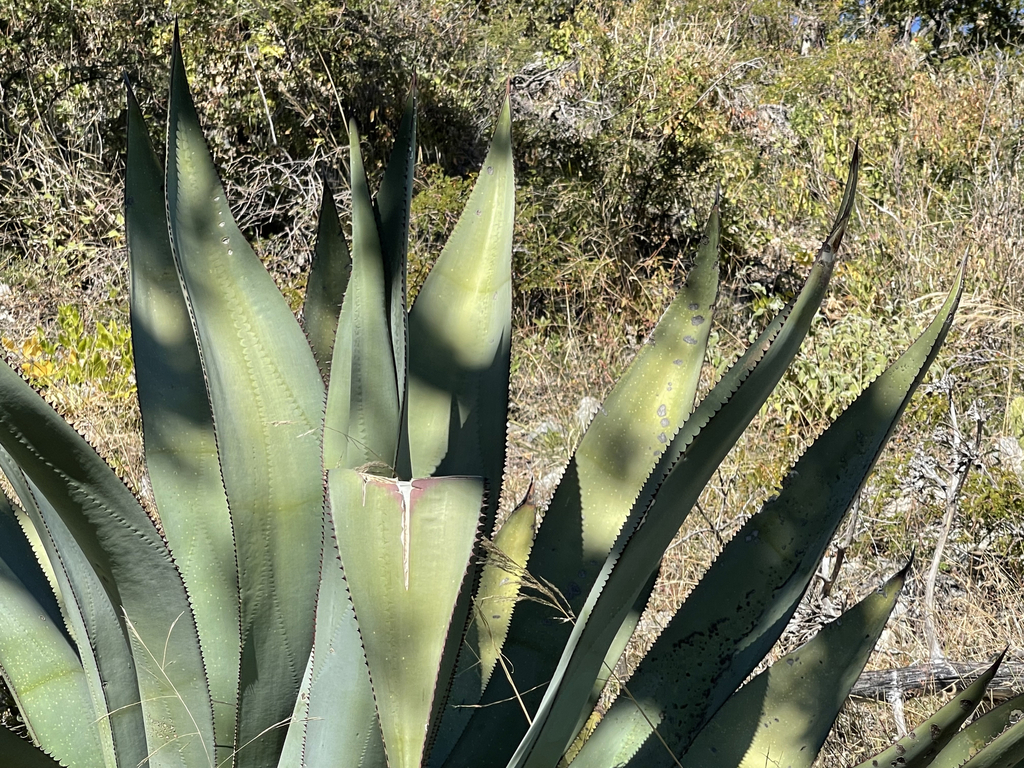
x,y
267,399
373,755
21,557
328,280
459,336
665,500
291,750
405,546
500,582
740,607
321,732
588,719
38,661
972,739
19,753
919,747
618,647
94,622
177,424
784,714
459,358
393,202
133,565
618,452
688,320
1005,751
39,550
341,715
363,414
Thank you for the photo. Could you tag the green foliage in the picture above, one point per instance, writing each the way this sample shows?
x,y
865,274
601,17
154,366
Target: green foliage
x,y
991,508
101,358
1015,417
841,358
943,27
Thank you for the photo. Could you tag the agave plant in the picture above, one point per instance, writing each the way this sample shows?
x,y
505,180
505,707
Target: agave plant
x,y
327,585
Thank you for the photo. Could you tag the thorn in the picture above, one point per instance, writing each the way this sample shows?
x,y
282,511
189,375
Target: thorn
x,y
905,570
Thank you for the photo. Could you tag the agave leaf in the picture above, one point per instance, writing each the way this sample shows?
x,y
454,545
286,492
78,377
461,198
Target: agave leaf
x,y
179,437
328,281
739,609
338,674
363,414
373,754
320,731
1005,751
405,546
784,714
19,753
459,336
291,750
393,203
628,434
619,450
38,660
618,646
95,624
972,739
695,306
919,747
265,392
459,357
500,584
501,580
690,459
132,563
38,548
25,560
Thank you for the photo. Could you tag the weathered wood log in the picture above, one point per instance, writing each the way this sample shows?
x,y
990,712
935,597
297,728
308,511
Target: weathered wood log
x,y
926,678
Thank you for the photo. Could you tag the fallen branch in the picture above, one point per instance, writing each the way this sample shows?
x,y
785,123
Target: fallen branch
x,y
924,678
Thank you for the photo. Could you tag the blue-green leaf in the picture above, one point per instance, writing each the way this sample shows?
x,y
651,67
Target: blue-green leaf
x,y
133,565
618,453
972,739
179,437
363,414
923,744
405,547
328,281
392,204
95,624
38,661
267,397
740,607
784,714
